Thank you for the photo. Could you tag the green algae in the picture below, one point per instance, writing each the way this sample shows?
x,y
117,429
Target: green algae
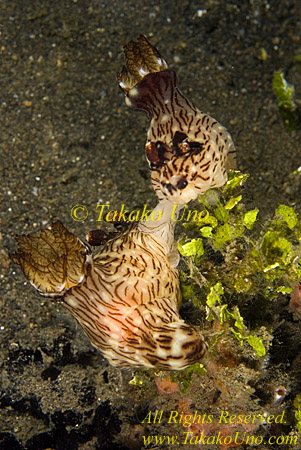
x,y
284,93
237,259
184,377
264,257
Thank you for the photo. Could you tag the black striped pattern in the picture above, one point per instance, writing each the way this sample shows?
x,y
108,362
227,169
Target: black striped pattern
x,y
128,306
171,112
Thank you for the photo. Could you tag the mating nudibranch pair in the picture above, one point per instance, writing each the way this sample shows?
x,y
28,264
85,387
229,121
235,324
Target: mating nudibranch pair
x,y
127,297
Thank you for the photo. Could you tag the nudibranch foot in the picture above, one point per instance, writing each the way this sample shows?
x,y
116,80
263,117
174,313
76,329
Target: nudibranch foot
x,y
126,297
146,335
188,151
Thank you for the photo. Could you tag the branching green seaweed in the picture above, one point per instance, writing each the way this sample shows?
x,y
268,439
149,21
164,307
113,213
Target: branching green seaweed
x,y
217,310
233,259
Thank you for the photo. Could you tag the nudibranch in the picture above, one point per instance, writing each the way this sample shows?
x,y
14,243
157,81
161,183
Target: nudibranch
x,y
188,151
126,297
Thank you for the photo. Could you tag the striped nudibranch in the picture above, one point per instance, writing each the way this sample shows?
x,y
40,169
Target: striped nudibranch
x,y
126,297
188,151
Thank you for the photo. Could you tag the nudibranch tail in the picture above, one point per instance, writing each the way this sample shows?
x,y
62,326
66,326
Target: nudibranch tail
x,y
53,260
188,151
142,58
126,298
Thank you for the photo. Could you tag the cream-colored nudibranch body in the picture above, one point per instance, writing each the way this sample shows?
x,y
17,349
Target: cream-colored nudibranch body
x,y
126,298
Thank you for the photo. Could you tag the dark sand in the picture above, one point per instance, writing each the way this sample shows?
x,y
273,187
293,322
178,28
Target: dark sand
x,y
68,138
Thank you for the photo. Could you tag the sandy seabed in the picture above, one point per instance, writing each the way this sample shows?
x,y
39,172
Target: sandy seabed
x,y
67,138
